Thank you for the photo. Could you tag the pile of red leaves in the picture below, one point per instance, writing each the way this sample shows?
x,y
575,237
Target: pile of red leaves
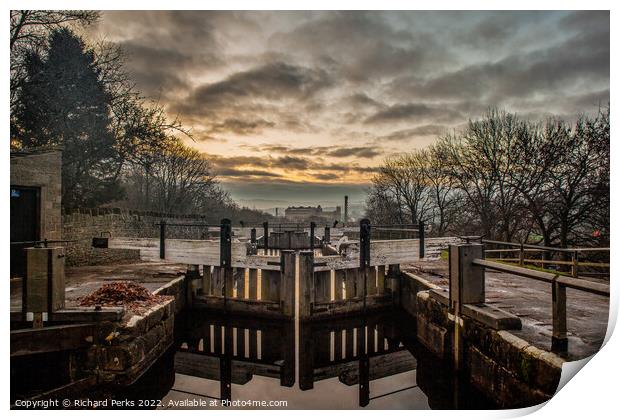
x,y
121,293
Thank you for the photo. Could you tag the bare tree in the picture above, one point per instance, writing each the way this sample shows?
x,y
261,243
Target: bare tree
x,y
441,188
404,178
481,161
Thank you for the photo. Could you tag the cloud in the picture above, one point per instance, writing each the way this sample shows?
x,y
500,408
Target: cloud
x,y
315,95
331,151
363,152
422,130
409,111
241,127
581,62
271,81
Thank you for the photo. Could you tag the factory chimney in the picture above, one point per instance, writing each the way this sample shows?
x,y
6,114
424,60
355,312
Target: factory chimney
x,y
346,208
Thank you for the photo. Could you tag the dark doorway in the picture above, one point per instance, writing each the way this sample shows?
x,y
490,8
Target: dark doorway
x,y
25,224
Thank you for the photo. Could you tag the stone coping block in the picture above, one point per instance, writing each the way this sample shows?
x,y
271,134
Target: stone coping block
x,y
488,315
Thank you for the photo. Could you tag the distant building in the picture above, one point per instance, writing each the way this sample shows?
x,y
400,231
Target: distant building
x,y
311,213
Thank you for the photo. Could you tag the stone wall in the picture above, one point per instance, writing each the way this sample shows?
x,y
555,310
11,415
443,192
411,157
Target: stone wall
x,y
505,368
81,225
42,169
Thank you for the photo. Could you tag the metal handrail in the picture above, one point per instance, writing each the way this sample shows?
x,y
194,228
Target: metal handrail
x,y
578,284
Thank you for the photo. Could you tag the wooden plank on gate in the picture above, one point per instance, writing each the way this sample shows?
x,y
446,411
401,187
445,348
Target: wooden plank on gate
x,y
239,280
218,281
371,277
350,282
322,286
380,279
253,284
340,279
51,339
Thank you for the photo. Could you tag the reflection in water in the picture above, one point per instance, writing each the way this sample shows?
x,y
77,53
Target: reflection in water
x,y
339,364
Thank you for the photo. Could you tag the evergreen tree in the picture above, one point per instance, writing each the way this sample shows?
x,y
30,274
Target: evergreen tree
x,y
64,102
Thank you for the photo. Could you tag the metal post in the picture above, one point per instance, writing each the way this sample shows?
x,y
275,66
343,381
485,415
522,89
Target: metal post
x,y
225,257
266,236
312,226
364,367
364,362
226,367
162,239
327,235
421,237
364,243
253,236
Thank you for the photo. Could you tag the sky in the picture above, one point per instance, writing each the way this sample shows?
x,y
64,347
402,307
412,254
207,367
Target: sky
x,y
300,108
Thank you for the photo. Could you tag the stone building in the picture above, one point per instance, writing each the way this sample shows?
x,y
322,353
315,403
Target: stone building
x,y
311,213
36,193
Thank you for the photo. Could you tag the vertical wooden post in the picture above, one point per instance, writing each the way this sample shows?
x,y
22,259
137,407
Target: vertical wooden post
x,y
380,279
306,352
364,367
312,226
239,279
265,284
380,338
206,341
521,255
207,279
371,276
266,236
393,283
253,236
466,280
348,344
337,345
287,283
466,286
287,370
44,289
253,283
421,237
339,279
240,333
191,274
306,284
322,286
162,239
218,281
559,340
350,282
217,339
252,344
270,350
